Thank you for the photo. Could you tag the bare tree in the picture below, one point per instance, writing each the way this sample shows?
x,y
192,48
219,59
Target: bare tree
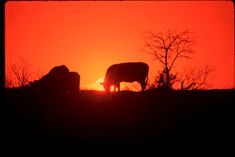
x,y
196,78
20,74
168,48
9,81
161,81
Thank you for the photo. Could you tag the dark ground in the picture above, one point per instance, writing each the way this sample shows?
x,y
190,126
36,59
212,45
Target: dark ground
x,y
125,119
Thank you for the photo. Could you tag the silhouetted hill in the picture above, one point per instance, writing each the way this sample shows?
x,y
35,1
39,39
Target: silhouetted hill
x,y
125,119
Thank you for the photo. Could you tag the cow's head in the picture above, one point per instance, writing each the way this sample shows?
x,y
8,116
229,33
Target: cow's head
x,y
106,85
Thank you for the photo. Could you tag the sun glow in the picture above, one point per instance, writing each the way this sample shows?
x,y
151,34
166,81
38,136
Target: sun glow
x,y
100,80
124,86
96,85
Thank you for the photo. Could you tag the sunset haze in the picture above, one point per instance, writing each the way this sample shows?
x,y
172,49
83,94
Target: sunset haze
x,y
89,36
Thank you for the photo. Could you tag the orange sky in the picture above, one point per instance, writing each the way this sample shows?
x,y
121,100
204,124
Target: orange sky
x,y
89,36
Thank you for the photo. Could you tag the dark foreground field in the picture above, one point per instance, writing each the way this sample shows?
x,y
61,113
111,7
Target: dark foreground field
x,y
125,119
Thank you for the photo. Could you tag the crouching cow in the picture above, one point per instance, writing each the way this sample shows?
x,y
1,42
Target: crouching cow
x,y
58,80
127,72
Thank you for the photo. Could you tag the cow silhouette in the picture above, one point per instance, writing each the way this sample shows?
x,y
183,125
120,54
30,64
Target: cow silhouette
x,y
127,72
58,80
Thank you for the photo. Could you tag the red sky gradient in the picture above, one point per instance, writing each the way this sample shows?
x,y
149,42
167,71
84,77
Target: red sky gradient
x,y
90,36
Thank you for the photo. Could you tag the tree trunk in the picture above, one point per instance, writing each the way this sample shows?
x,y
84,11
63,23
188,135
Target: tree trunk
x,y
167,78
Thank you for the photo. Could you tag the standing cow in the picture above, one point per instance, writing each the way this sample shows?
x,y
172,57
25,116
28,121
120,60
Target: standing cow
x,y
127,72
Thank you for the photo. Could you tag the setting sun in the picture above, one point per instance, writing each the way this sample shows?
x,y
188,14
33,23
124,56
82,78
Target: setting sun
x,y
96,85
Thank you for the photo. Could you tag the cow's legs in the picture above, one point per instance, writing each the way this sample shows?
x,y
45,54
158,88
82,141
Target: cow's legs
x,y
115,87
143,85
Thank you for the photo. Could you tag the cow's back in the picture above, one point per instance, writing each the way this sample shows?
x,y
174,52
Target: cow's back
x,y
129,72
